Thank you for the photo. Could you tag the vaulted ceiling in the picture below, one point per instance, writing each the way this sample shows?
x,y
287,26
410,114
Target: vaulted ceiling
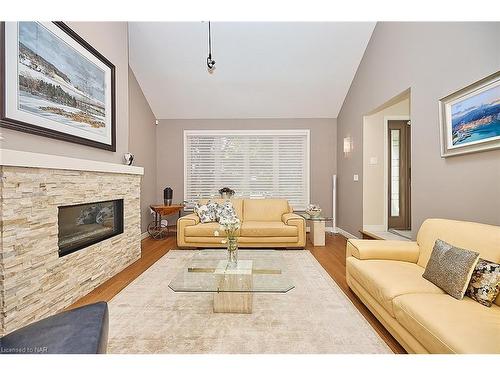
x,y
263,69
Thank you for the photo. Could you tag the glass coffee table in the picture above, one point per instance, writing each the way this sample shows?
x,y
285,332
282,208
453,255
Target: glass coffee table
x,y
317,233
257,271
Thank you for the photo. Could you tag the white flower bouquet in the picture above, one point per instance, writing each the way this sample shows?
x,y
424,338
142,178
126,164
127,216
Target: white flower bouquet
x,y
229,226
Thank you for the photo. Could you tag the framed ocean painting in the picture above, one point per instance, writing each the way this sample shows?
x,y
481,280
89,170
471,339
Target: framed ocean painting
x,y
55,84
470,118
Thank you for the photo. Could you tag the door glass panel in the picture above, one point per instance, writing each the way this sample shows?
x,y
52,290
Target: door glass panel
x,y
395,147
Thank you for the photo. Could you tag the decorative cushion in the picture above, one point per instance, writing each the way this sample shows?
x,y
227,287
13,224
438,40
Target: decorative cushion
x,y
226,212
206,212
484,285
450,268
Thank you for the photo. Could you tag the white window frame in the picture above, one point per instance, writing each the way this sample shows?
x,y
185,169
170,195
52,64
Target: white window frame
x,y
305,132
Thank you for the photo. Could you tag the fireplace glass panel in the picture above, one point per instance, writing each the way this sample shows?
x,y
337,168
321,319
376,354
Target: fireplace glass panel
x,y
86,224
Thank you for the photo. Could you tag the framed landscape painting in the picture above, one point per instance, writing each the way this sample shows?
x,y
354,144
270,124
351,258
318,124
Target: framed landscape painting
x,y
56,85
470,118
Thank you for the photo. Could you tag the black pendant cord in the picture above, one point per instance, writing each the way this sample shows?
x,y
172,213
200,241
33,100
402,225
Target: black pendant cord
x,y
210,61
209,42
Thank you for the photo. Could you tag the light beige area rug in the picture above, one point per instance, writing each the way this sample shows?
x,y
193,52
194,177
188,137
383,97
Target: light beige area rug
x,y
314,317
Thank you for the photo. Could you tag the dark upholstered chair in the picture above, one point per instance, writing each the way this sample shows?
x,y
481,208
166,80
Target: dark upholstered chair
x,y
83,330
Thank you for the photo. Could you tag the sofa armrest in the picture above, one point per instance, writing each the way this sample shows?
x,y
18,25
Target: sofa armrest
x,y
299,222
182,223
292,219
191,219
406,251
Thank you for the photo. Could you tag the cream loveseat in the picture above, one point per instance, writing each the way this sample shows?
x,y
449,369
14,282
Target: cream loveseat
x,y
265,223
387,277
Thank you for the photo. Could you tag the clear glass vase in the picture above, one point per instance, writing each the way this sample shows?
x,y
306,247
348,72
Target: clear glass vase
x,y
232,251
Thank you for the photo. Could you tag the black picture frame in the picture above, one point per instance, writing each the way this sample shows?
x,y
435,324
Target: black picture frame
x,y
14,124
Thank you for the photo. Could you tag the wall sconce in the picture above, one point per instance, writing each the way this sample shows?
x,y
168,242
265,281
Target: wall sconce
x,y
347,146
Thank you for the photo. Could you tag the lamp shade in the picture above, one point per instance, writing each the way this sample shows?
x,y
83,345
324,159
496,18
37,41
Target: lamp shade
x,y
347,145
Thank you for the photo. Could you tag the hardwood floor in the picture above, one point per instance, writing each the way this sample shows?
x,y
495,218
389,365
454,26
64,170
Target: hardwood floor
x,y
151,251
331,257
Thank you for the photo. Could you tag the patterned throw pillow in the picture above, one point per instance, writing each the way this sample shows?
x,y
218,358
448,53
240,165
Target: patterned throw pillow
x,y
226,212
206,212
450,268
484,285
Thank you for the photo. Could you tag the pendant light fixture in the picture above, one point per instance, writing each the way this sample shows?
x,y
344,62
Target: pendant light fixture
x,y
210,61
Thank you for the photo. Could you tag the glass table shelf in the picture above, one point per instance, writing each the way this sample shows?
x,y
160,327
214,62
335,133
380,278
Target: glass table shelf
x,y
306,216
257,271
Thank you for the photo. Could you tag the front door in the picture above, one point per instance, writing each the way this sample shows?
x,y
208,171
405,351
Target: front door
x,y
399,159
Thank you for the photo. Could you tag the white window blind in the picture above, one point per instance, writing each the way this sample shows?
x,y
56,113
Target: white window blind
x,y
255,164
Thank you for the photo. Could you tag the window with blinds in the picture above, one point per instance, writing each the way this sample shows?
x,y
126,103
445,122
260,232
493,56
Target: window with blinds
x,y
255,164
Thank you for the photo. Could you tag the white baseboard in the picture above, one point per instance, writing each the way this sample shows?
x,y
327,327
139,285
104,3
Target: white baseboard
x,y
375,228
345,233
144,235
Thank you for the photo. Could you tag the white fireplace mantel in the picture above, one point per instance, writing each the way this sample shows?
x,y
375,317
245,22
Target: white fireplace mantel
x,y
15,158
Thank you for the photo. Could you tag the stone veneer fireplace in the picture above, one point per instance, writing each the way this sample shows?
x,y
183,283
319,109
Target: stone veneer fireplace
x,y
35,281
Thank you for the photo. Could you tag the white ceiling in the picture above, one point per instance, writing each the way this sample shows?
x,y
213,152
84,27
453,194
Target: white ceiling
x,y
263,69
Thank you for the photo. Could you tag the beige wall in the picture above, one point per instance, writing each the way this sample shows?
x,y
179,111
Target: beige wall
x,y
374,186
142,140
323,151
434,60
111,40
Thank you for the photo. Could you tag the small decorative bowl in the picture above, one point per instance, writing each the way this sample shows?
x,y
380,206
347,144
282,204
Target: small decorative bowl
x,y
314,213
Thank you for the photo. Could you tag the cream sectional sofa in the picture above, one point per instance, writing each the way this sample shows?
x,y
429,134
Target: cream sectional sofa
x,y
265,223
387,277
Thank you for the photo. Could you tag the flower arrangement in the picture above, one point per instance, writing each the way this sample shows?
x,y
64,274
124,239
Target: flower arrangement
x,y
313,210
230,227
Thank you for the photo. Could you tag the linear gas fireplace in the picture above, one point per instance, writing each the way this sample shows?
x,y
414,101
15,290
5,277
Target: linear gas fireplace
x,y
82,225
